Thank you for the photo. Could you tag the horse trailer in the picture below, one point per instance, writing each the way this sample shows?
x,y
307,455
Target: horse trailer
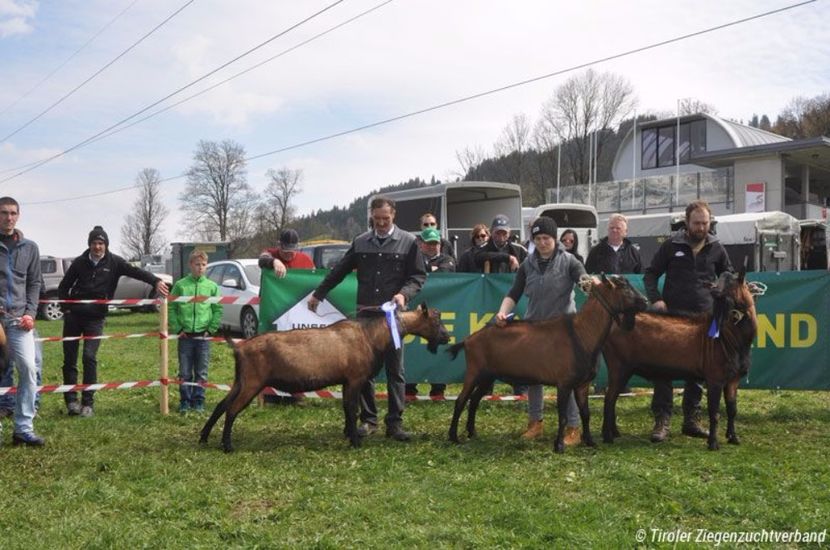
x,y
458,207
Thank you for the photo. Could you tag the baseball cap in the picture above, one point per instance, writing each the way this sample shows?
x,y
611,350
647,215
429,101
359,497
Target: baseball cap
x,y
500,222
430,235
289,239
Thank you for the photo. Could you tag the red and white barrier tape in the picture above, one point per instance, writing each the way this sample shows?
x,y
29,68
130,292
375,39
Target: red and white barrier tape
x,y
158,335
152,301
319,394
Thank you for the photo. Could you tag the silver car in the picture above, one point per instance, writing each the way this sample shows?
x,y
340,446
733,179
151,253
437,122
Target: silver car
x,y
239,278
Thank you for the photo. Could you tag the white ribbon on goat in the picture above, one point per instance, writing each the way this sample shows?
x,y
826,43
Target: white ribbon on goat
x,y
389,309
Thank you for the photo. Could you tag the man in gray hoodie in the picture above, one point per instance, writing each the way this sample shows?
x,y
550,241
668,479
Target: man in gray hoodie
x,y
19,291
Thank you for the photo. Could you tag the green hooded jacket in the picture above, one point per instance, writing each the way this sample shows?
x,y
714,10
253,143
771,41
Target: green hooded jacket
x,y
194,316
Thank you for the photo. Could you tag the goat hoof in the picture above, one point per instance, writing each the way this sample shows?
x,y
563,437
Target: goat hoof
x,y
559,447
227,448
472,435
589,442
733,439
714,446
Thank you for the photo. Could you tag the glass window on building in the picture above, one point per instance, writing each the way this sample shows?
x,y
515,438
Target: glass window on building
x,y
649,148
697,137
665,146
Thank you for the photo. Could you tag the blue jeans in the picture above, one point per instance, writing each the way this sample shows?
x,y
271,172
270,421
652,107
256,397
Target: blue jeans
x,y
7,379
194,356
22,352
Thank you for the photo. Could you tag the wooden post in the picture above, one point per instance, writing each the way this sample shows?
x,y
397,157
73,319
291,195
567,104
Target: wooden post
x,y
164,357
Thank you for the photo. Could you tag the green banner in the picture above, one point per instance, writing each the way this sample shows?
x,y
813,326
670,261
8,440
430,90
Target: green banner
x,y
789,351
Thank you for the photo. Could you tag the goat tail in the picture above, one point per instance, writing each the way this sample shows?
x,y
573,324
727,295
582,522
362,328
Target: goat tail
x,y
455,349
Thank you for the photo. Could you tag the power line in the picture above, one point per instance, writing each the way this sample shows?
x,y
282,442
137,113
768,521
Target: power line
x,y
243,72
168,96
474,96
99,71
67,60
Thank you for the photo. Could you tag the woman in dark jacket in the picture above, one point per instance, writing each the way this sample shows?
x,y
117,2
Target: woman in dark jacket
x,y
570,242
478,238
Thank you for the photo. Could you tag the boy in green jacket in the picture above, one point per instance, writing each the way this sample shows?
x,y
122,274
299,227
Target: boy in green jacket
x,y
193,321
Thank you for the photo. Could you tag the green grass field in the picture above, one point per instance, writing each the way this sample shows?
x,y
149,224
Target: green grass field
x,y
130,477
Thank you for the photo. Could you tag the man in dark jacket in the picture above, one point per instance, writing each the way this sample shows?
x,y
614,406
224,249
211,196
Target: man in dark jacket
x,y
614,254
92,276
389,268
500,255
691,259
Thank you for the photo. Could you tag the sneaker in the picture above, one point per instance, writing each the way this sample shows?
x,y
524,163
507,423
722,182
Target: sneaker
x,y
31,439
366,429
660,432
183,408
199,407
6,413
573,435
398,434
534,430
73,408
86,411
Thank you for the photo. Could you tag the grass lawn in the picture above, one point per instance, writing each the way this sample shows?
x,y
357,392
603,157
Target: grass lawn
x,y
129,477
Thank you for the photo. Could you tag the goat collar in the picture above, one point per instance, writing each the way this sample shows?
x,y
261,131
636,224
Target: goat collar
x,y
604,303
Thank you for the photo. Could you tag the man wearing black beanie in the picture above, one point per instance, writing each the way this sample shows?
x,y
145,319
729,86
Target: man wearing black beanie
x,y
92,276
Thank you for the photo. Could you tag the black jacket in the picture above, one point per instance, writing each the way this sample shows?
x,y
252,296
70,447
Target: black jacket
x,y
442,262
688,277
499,259
383,270
603,259
87,281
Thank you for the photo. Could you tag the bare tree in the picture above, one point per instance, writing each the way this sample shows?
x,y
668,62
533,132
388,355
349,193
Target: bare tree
x,y
692,106
585,104
515,137
469,159
217,196
141,232
805,118
283,187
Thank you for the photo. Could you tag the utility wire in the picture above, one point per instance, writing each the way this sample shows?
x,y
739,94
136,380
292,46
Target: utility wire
x,y
168,96
474,96
67,60
99,71
237,75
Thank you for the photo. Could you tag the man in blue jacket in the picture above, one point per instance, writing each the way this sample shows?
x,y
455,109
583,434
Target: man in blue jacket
x,y
20,282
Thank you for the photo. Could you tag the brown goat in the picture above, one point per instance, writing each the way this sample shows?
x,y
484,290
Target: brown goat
x,y
349,352
560,352
669,347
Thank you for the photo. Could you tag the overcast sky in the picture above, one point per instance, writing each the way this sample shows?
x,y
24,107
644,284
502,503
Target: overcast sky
x,y
405,56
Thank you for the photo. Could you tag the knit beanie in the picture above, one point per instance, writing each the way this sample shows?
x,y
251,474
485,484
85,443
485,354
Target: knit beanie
x,y
98,234
543,226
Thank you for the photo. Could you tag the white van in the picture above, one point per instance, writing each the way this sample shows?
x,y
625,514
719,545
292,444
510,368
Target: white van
x,y
582,218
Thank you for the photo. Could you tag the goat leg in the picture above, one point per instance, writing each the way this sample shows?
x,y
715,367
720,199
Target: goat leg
x,y
713,393
730,395
217,412
581,395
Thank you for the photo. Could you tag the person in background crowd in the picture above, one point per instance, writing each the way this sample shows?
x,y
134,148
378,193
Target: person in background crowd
x,y
547,277
434,261
692,259
92,276
614,254
500,255
479,236
389,268
428,220
193,322
20,281
281,258
570,243
285,256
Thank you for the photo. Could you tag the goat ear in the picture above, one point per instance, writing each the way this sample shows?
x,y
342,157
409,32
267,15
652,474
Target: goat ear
x,y
742,275
424,309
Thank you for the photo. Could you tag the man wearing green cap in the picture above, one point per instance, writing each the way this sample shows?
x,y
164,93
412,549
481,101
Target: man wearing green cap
x,y
434,260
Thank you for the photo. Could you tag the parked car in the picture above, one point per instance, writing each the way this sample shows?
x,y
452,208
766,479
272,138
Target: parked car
x,y
53,270
325,253
240,278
